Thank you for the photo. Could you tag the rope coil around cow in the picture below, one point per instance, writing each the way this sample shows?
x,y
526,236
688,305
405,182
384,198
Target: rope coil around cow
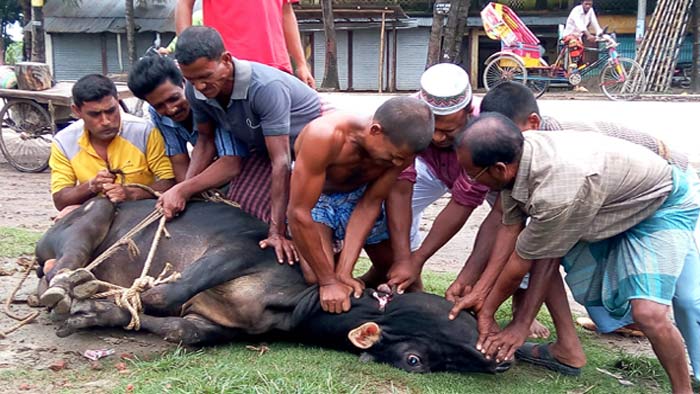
x,y
130,298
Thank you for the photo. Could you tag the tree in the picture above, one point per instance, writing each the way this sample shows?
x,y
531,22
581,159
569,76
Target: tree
x,y
445,42
330,75
38,51
130,30
26,6
695,76
10,12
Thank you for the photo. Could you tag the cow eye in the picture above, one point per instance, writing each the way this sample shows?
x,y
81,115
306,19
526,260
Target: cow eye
x,y
413,360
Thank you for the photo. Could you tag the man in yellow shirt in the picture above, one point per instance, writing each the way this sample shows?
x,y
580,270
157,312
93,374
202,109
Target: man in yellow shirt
x,y
105,150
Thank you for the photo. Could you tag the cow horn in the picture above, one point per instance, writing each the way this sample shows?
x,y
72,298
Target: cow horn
x,y
365,335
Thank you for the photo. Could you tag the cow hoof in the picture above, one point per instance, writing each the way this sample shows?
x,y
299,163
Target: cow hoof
x,y
60,279
33,301
85,290
80,276
52,296
63,306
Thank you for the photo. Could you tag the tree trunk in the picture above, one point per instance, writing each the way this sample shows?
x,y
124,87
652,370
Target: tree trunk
x,y
2,46
434,45
695,76
38,48
454,31
26,6
330,75
130,31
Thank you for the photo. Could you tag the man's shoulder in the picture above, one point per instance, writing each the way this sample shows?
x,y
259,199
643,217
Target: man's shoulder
x,y
67,138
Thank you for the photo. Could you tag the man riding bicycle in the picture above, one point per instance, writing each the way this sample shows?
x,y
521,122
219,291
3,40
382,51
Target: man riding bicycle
x,y
581,17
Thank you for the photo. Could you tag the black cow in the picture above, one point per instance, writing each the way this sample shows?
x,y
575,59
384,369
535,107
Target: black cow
x,y
231,289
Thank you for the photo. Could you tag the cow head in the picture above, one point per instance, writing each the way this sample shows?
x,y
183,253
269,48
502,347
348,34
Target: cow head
x,y
411,332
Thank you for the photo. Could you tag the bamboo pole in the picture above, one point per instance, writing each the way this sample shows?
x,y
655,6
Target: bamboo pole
x,y
381,54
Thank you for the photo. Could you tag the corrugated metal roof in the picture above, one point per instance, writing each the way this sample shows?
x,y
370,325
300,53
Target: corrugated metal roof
x,y
96,16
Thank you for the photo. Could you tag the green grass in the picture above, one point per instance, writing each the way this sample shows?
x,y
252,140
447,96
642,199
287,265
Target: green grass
x,y
15,242
294,368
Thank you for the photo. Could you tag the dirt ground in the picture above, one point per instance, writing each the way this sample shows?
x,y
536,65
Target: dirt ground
x,y
26,203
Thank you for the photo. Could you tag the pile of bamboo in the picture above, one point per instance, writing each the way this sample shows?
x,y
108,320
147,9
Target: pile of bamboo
x,y
658,53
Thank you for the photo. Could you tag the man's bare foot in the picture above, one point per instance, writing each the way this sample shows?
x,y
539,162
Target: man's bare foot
x,y
630,330
537,330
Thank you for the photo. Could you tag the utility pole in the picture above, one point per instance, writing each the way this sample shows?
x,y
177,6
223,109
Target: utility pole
x,y
641,18
38,48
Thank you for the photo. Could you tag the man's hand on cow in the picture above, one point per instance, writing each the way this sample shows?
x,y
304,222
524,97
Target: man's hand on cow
x,y
501,346
357,286
284,248
103,177
172,202
115,192
457,290
403,274
471,300
335,297
487,326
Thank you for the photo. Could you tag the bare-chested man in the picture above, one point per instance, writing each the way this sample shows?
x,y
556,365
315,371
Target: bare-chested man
x,y
345,167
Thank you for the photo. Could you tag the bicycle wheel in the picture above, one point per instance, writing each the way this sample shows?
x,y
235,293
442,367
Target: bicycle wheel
x,y
26,135
625,82
538,84
503,68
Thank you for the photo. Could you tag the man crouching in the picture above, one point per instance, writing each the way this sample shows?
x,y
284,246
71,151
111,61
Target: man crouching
x,y
345,167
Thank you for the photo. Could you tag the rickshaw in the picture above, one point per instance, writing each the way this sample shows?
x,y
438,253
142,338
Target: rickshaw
x,y
520,59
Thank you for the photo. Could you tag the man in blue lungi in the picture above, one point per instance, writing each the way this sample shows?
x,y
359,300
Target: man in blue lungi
x,y
619,218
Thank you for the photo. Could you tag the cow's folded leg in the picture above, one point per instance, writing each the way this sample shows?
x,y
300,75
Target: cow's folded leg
x,y
215,268
188,330
93,313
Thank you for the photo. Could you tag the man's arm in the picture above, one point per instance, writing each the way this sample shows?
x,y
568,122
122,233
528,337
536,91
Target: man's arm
x,y
360,224
183,15
279,150
399,216
483,245
293,41
446,225
204,151
503,345
313,157
506,238
180,163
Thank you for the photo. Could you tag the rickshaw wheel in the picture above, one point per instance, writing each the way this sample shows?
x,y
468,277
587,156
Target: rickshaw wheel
x,y
538,85
630,88
26,134
504,67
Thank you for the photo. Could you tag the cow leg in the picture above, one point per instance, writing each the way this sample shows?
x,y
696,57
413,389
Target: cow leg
x,y
72,242
215,268
188,330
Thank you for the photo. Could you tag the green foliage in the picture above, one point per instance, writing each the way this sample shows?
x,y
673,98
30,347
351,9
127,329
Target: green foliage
x,y
15,242
13,53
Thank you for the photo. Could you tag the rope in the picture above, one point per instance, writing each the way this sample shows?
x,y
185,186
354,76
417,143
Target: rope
x,y
23,320
130,298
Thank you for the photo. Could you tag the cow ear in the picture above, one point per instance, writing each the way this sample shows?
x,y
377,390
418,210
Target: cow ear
x,y
365,335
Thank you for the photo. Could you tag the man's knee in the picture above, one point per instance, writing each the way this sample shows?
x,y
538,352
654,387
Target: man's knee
x,y
649,314
687,300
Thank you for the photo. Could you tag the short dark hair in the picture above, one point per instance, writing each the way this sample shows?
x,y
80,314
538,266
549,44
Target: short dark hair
x,y
512,99
93,87
196,42
492,138
150,72
406,121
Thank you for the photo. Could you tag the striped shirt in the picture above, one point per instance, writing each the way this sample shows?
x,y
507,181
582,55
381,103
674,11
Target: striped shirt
x,y
579,186
137,150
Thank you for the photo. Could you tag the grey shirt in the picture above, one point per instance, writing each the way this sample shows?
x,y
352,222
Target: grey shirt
x,y
265,102
581,186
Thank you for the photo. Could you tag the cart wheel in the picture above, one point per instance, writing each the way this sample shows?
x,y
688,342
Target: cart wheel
x,y
538,84
26,135
503,68
625,82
